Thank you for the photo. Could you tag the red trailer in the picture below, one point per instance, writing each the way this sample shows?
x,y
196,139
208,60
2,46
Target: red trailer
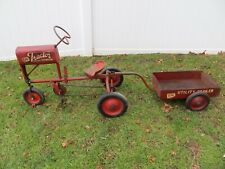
x,y
194,86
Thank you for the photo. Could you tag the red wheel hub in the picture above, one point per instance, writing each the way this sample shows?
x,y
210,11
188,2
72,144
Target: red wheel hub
x,y
112,106
198,103
33,97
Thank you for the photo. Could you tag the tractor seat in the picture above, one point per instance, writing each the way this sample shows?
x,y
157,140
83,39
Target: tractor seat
x,y
95,68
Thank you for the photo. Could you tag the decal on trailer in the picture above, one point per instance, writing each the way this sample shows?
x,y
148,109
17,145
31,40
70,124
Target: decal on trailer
x,y
170,95
184,92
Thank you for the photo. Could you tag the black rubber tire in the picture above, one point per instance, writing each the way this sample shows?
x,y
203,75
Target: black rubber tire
x,y
119,83
113,95
197,107
37,94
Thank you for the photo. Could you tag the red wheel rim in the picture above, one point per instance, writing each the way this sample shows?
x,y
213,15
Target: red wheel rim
x,y
198,103
33,97
112,106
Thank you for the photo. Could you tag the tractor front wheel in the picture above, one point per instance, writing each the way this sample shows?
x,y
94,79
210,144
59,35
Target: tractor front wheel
x,y
34,96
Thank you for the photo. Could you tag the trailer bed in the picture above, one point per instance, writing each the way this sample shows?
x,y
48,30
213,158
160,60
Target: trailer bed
x,y
181,84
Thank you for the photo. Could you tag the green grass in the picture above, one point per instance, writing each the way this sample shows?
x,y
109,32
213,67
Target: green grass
x,y
145,137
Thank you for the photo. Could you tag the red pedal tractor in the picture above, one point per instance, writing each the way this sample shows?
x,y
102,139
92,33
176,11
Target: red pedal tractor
x,y
195,87
110,104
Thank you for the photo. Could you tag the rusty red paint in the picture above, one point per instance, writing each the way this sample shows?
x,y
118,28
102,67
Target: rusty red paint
x,y
59,89
179,85
32,55
95,68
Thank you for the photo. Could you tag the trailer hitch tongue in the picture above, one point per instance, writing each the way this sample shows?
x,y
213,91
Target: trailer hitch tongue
x,y
140,76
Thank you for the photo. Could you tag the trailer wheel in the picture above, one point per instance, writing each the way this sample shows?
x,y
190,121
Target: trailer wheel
x,y
197,101
34,96
59,89
112,104
117,79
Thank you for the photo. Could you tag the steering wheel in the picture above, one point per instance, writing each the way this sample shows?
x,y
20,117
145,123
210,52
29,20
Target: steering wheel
x,y
63,39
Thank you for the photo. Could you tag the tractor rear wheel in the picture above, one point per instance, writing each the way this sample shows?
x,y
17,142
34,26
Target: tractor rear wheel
x,y
117,80
112,104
